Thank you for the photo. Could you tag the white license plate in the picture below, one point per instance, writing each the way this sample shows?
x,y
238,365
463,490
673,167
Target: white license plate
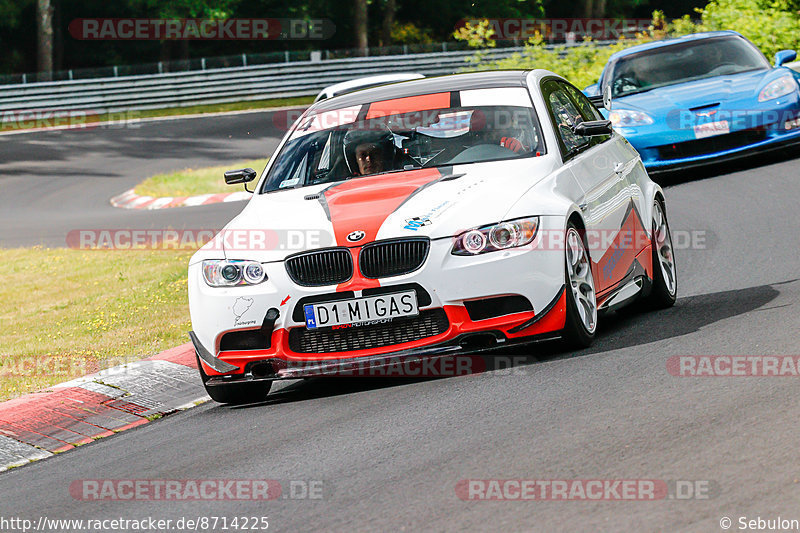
x,y
709,129
361,310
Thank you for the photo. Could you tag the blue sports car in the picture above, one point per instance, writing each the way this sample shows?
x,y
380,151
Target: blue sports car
x,y
700,98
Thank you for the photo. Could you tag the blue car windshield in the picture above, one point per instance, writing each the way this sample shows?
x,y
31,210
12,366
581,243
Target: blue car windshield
x,y
679,63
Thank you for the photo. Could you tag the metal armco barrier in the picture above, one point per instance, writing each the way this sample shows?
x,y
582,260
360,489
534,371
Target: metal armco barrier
x,y
281,80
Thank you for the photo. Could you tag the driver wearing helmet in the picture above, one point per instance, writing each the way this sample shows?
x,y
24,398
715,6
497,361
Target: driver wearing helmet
x,y
369,151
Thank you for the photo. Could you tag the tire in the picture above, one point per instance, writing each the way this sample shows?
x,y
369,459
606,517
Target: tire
x,y
581,313
235,393
665,281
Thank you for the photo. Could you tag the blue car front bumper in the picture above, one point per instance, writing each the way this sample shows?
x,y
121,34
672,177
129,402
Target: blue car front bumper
x,y
666,146
653,163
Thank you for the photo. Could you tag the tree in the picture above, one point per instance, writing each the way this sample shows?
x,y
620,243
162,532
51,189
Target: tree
x,y
177,9
44,33
360,20
388,21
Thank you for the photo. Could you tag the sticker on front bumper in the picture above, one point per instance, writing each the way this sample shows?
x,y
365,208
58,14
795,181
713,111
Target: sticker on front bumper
x,y
360,310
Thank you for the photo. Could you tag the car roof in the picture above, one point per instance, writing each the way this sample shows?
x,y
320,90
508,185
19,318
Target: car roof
x,y
369,80
453,82
672,41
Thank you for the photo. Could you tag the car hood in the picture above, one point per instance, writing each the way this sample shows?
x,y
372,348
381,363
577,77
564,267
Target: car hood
x,y
661,101
436,202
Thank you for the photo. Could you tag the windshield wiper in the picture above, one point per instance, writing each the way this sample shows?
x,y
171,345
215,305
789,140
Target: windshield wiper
x,y
404,169
639,91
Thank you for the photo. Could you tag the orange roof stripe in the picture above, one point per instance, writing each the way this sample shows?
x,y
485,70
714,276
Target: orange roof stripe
x,y
408,104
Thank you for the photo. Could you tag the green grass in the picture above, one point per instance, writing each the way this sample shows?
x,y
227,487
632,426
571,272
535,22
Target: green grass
x,y
67,313
124,116
221,108
193,181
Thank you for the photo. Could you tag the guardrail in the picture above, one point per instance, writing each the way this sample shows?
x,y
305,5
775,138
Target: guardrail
x,y
306,78
222,85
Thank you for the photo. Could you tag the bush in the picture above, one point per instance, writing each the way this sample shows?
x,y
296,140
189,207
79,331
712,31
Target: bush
x,y
771,25
581,64
408,33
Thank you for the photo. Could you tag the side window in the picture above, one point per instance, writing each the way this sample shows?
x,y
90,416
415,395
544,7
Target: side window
x,y
587,109
564,115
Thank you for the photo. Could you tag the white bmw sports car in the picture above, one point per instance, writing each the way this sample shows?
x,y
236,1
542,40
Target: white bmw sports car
x,y
425,219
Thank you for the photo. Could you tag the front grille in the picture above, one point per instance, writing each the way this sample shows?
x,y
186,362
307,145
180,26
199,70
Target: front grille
x,y
320,267
709,145
428,323
392,258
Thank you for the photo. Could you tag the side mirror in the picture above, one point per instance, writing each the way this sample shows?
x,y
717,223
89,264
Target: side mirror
x,y
785,56
607,97
243,175
590,128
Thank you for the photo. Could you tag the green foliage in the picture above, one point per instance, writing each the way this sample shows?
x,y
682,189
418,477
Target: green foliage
x,y
682,26
771,25
580,64
215,9
478,35
410,33
9,12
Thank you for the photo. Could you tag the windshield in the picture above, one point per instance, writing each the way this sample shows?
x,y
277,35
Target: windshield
x,y
679,63
407,133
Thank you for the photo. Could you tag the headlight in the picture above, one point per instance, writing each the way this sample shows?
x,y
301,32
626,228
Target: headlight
x,y
223,273
628,117
508,234
777,88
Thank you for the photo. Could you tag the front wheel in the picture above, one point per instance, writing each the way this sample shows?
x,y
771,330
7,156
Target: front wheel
x,y
665,279
581,319
235,393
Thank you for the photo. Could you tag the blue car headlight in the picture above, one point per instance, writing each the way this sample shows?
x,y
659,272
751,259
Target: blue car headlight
x,y
628,117
224,273
777,88
494,237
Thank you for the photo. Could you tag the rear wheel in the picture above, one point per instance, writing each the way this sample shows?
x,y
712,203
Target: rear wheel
x,y
665,279
235,393
581,319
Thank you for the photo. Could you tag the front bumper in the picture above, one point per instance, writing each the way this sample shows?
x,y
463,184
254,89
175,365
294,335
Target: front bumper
x,y
770,143
449,282
411,362
670,144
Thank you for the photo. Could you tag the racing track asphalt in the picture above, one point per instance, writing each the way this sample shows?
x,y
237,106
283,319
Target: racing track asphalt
x,y
52,182
390,451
